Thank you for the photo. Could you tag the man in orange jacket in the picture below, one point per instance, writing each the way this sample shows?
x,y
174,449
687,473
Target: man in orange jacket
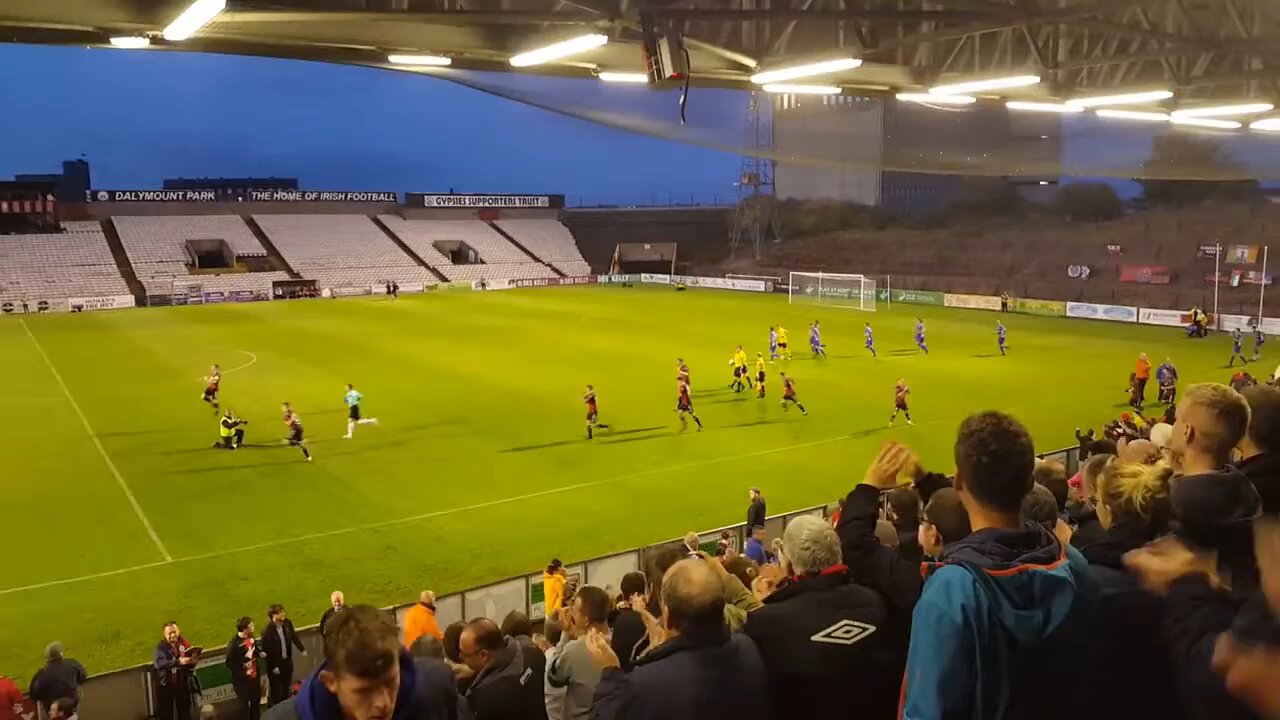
x,y
553,579
1141,374
421,620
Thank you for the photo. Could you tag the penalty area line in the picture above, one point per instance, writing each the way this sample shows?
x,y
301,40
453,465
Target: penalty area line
x,y
124,486
431,515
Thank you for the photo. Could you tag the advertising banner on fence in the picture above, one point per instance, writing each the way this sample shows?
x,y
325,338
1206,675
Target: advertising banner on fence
x,y
105,302
214,296
1028,306
1236,322
10,307
243,195
655,278
343,291
617,279
1170,318
484,201
1146,274
1207,251
1094,311
973,302
554,281
911,297
1241,254
723,283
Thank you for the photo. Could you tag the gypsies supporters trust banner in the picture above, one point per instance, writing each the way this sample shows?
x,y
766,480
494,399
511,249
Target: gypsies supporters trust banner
x,y
1028,306
973,302
1094,311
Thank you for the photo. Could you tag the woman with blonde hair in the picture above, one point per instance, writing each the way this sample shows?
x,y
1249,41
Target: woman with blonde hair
x,y
1132,675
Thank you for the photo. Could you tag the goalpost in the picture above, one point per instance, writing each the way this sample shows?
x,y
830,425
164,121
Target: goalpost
x,y
857,292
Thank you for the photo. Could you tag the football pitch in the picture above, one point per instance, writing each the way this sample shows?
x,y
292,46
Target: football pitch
x,y
119,515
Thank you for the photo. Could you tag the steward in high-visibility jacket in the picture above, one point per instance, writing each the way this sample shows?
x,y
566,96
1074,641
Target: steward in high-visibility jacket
x,y
230,431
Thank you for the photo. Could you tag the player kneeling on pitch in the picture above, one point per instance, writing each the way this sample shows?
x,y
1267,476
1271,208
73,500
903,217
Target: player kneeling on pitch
x,y
230,431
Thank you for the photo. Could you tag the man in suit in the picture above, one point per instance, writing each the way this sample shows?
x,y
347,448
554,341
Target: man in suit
x,y
337,601
279,642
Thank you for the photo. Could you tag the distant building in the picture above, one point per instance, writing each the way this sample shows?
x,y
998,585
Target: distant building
x,y
907,158
71,185
231,189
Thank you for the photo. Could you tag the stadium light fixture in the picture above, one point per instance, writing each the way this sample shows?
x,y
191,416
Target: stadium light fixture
x,y
977,86
1271,124
1205,122
623,77
927,99
1043,107
420,60
1134,98
795,72
197,15
1225,110
130,42
802,89
1133,115
562,49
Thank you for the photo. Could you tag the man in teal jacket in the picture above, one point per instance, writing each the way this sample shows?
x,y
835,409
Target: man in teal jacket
x,y
1003,620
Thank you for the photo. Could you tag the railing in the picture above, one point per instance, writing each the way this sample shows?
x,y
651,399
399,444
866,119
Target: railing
x,y
126,694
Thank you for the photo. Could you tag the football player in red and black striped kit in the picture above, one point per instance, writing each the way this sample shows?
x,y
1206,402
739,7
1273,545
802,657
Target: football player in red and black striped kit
x,y
294,422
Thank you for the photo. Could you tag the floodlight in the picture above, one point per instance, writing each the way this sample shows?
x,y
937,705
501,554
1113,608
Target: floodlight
x,y
197,15
1133,98
423,60
976,86
1133,115
1042,107
795,72
623,77
1205,122
927,99
562,49
1224,110
130,42
803,89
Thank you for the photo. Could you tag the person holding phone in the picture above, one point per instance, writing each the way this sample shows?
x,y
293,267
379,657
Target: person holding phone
x,y
174,662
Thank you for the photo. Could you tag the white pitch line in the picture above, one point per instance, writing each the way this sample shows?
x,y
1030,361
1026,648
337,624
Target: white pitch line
x,y
124,487
427,516
241,367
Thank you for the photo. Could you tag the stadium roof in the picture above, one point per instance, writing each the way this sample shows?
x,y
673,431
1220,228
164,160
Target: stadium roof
x,y
1208,48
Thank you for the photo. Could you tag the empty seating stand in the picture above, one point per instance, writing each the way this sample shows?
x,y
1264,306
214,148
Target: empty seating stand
x,y
551,241
156,246
500,260
339,251
77,263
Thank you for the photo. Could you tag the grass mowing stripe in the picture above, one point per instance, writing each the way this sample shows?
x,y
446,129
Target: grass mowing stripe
x,y
137,509
430,515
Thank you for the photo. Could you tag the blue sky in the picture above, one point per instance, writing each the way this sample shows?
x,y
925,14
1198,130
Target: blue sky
x,y
140,117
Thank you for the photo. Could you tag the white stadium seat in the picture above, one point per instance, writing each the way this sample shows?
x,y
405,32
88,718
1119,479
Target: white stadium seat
x,y
551,241
501,259
156,246
77,263
341,250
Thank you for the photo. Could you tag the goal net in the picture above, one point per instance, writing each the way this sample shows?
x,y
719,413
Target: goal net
x,y
852,291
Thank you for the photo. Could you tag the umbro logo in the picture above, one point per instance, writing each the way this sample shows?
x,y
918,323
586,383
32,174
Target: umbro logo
x,y
845,632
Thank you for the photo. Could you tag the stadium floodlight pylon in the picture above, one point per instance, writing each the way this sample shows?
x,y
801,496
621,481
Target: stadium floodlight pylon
x,y
857,292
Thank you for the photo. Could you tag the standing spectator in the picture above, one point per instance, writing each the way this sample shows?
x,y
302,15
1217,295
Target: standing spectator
x,y
553,582
1213,503
1133,672
627,624
755,546
1001,621
1082,513
242,660
516,625
337,602
174,661
279,640
553,697
573,668
508,678
945,521
367,675
756,510
59,678
699,669
819,630
421,619
1052,474
1141,374
691,543
10,700
1260,447
904,513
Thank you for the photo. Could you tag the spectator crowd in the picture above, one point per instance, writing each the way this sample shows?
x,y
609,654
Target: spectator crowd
x,y
1148,585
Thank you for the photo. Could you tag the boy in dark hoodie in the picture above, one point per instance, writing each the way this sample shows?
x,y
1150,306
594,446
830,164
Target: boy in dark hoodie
x,y
1003,618
367,675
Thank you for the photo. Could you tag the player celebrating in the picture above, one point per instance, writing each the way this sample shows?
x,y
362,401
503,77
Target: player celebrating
x,y
684,406
352,400
682,371
593,413
759,375
900,393
294,422
741,378
815,341
212,381
1000,337
773,344
1259,337
783,349
871,339
789,394
1236,340
920,343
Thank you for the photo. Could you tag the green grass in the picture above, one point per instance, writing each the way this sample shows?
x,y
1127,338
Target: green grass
x,y
479,398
